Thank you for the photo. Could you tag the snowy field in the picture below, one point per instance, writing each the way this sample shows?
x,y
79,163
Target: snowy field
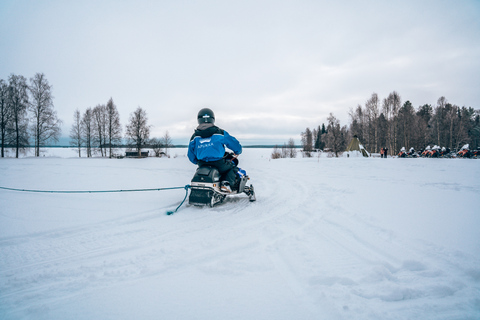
x,y
327,238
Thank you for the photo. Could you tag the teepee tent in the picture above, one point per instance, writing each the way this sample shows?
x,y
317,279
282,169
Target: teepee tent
x,y
355,149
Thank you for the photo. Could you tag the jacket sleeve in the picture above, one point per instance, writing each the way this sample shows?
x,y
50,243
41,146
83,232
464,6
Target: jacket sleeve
x,y
191,152
232,143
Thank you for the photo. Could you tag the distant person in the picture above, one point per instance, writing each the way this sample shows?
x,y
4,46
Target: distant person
x,y
385,152
207,147
381,153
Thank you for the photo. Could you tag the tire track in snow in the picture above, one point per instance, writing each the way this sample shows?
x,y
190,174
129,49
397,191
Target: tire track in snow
x,y
34,262
376,263
286,215
76,252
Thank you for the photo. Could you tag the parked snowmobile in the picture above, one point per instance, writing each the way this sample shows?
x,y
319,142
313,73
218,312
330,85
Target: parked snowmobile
x,y
411,153
425,152
402,153
445,153
205,185
434,152
465,152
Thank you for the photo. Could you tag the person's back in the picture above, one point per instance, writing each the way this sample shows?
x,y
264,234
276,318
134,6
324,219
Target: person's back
x,y
207,147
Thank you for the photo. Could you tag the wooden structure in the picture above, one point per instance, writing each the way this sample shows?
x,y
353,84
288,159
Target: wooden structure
x,y
134,154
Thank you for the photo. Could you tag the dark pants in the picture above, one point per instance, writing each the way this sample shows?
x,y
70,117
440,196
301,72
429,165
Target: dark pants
x,y
227,169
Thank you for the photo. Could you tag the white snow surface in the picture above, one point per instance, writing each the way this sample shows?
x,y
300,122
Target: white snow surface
x,y
327,238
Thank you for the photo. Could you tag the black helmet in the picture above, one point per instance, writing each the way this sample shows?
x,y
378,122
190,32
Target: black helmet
x,y
205,115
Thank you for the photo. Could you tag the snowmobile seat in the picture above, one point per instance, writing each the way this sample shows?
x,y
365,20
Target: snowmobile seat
x,y
206,174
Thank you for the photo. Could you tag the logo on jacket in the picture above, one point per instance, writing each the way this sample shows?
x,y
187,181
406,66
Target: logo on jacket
x,y
205,140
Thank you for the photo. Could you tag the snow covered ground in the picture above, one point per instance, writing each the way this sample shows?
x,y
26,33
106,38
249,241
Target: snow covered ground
x,y
346,238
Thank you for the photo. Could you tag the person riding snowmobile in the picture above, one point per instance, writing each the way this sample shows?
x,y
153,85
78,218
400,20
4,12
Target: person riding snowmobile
x,y
207,147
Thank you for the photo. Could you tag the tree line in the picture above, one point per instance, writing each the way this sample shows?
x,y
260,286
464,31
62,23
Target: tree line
x,y
27,113
28,117
391,124
98,130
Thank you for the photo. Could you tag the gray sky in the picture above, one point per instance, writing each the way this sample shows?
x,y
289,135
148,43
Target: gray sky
x,y
268,69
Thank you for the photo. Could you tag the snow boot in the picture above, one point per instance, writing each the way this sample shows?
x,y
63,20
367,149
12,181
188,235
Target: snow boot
x,y
225,187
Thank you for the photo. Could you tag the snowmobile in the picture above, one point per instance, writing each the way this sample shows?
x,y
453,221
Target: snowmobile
x,y
431,152
425,152
411,153
465,152
434,152
205,185
445,153
402,153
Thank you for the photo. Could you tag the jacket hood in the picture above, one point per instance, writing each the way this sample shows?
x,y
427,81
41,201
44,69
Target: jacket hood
x,y
206,130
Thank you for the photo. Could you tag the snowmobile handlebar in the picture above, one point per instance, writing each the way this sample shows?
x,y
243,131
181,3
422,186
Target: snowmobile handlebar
x,y
232,157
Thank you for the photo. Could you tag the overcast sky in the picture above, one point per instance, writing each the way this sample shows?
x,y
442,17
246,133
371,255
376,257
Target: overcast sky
x,y
268,69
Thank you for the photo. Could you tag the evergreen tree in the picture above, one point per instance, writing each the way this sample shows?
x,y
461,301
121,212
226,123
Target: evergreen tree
x,y
406,116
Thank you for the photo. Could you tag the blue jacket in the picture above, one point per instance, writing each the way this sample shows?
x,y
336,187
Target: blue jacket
x,y
208,144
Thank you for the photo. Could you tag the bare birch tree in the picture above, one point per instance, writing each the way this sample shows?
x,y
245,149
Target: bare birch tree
x,y
18,104
395,103
100,128
157,146
137,130
292,151
114,128
5,117
372,110
87,130
76,132
357,126
335,135
167,142
307,142
391,106
453,119
45,124
387,114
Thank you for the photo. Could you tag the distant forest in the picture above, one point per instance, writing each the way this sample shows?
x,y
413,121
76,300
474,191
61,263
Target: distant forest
x,y
27,115
390,124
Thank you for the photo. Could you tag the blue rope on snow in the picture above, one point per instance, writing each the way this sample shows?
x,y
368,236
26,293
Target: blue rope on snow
x,y
106,191
90,191
186,194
